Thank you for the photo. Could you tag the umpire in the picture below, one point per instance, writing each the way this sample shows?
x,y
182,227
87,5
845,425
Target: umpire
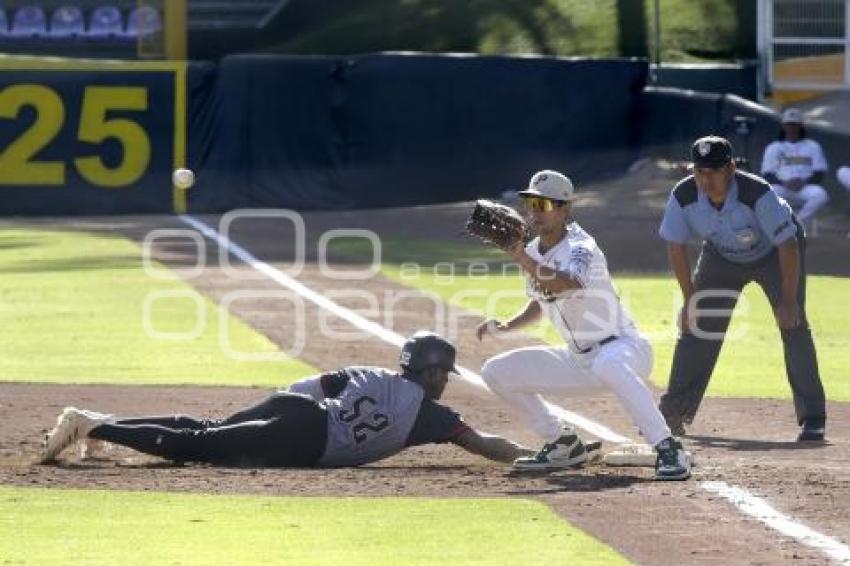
x,y
748,234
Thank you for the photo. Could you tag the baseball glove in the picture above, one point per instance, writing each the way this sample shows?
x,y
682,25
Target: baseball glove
x,y
497,225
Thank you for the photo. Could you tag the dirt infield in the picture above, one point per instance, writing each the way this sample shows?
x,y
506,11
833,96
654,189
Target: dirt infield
x,y
745,442
649,522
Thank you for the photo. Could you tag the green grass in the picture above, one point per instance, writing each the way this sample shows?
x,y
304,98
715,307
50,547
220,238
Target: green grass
x,y
689,30
72,305
751,364
46,526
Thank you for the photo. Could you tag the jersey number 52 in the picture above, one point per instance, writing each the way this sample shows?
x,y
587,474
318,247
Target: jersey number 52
x,y
364,423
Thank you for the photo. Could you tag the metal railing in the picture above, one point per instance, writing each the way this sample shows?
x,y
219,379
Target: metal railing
x,y
805,44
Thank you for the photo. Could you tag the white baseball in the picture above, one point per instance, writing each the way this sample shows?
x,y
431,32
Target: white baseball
x,y
183,178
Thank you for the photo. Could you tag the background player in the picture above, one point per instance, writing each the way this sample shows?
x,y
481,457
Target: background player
x,y
795,166
348,417
567,278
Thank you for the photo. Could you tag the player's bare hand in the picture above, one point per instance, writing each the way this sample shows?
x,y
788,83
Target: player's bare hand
x,y
490,326
788,314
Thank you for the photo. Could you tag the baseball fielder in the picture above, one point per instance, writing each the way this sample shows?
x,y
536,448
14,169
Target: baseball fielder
x,y
348,417
795,165
568,281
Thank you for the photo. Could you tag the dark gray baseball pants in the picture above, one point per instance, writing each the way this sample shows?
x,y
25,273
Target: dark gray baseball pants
x,y
695,357
284,430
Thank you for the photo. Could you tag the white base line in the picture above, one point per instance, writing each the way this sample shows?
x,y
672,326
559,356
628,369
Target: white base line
x,y
746,502
761,510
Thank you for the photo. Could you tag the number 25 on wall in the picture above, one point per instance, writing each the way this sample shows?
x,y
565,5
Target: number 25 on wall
x,y
17,163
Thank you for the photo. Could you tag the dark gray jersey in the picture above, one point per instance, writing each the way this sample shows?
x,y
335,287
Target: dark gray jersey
x,y
371,418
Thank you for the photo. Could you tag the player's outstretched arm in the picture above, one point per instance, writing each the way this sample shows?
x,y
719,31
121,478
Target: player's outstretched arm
x,y
491,446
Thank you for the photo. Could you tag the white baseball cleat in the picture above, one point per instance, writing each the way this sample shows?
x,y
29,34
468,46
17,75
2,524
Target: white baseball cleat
x,y
72,425
566,452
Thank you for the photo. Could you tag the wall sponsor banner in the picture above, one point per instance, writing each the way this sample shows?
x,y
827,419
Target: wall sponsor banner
x,y
90,137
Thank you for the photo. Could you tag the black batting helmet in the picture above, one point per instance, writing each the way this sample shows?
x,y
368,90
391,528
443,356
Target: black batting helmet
x,y
426,349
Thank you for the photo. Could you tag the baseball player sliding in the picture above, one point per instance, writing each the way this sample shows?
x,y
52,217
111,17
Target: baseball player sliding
x,y
568,281
348,417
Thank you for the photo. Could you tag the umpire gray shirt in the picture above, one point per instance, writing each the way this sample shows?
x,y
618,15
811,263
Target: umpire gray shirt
x,y
752,221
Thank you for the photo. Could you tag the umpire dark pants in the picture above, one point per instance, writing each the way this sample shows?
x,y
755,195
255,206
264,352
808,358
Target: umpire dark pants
x,y
284,430
695,357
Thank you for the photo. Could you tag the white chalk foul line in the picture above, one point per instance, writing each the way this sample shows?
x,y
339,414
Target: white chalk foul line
x,y
371,327
761,510
743,500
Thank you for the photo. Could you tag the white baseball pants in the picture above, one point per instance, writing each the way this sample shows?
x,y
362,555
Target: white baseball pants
x,y
521,377
810,198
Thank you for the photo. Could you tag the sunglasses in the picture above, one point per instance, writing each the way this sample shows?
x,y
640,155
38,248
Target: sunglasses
x,y
540,204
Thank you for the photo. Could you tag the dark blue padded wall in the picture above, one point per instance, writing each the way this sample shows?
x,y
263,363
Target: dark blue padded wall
x,y
393,129
352,132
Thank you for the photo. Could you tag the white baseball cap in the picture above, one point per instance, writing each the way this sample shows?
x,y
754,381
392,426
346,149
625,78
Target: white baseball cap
x,y
843,175
551,185
792,116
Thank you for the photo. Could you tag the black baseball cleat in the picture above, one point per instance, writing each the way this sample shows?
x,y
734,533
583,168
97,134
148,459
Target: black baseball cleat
x,y
813,431
566,452
672,462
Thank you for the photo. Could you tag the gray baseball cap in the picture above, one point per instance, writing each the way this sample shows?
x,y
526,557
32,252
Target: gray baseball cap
x,y
792,116
551,185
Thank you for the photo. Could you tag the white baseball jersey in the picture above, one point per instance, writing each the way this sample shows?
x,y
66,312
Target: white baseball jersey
x,y
583,317
793,160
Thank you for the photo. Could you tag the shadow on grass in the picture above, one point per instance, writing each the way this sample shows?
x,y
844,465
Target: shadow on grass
x,y
62,250
16,243
73,264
